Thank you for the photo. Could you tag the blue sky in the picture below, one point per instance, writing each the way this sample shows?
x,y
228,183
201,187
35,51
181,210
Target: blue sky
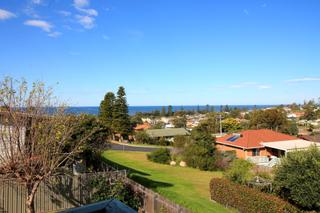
x,y
179,52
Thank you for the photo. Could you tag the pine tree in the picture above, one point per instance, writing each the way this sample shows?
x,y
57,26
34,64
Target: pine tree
x,y
121,120
106,109
163,111
170,112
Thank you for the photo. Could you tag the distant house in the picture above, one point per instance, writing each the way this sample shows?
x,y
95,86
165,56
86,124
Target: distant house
x,y
142,127
168,133
295,115
262,142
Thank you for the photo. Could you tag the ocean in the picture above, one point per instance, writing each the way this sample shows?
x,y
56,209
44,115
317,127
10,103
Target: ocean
x,y
94,110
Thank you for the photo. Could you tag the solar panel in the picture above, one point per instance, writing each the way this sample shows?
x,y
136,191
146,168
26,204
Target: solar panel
x,y
233,138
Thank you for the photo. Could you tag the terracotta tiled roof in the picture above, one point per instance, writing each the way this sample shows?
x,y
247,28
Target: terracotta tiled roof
x,y
142,126
254,138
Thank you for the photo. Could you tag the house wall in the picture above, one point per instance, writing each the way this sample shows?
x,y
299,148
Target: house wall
x,y
240,153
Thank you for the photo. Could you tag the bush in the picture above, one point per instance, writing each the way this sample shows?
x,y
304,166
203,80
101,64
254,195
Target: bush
x,y
224,159
160,156
297,178
144,138
100,188
239,171
246,199
200,152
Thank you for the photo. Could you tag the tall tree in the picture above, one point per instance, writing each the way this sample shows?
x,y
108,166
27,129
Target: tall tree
x,y
170,111
106,109
163,111
34,131
121,119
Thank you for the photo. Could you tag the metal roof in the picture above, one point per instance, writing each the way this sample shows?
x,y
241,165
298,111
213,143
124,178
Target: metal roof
x,y
169,132
291,145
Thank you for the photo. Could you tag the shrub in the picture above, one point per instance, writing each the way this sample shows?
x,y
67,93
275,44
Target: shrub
x,y
143,137
239,171
297,178
100,188
160,156
246,199
224,159
200,153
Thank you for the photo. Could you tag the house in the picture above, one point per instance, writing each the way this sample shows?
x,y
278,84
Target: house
x,y
142,127
263,142
168,133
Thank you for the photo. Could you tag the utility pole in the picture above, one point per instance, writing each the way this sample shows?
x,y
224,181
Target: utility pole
x,y
220,125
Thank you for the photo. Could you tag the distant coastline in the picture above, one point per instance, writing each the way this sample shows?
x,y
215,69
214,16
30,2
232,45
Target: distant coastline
x,y
94,110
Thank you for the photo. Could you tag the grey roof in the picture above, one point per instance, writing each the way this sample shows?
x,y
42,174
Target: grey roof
x,y
169,132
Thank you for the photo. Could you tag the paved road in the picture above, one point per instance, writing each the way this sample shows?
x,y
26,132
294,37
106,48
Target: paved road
x,y
132,148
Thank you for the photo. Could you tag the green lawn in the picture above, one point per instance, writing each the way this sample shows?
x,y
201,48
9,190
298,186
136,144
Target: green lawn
x,y
186,186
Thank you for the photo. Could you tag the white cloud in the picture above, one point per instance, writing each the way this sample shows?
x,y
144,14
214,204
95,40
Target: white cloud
x,y
81,3
90,12
64,13
254,85
264,87
36,1
264,5
45,26
54,34
86,21
304,79
246,11
4,14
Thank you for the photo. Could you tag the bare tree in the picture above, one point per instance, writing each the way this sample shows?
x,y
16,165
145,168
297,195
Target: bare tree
x,y
34,130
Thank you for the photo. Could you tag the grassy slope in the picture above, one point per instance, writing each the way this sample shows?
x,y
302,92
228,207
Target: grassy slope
x,y
186,186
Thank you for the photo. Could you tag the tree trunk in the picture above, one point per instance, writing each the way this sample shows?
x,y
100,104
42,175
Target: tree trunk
x,y
31,191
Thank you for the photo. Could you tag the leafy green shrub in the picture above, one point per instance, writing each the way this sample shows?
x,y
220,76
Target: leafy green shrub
x,y
144,138
102,188
200,152
160,156
239,171
246,199
297,178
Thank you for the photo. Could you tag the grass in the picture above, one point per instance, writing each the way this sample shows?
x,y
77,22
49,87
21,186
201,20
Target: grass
x,y
185,186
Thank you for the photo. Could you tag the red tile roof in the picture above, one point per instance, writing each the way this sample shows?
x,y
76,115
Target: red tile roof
x,y
142,126
254,138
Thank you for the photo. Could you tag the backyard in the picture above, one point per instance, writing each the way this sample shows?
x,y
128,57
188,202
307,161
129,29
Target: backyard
x,y
185,186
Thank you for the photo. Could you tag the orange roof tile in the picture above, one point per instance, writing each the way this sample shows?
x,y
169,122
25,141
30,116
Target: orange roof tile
x,y
254,138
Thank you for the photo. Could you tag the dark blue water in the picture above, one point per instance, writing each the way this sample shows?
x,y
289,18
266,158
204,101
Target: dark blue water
x,y
134,109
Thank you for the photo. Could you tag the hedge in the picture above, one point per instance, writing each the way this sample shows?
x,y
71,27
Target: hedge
x,y
247,200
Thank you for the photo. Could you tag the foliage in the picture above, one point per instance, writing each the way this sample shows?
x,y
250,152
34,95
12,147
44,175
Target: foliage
x,y
163,111
105,188
180,122
144,138
170,111
135,120
121,120
239,171
211,123
309,109
180,141
200,153
246,199
106,109
158,125
224,159
275,119
91,148
160,156
291,128
230,125
297,178
34,131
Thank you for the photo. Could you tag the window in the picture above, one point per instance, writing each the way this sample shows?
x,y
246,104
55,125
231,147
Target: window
x,y
256,152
